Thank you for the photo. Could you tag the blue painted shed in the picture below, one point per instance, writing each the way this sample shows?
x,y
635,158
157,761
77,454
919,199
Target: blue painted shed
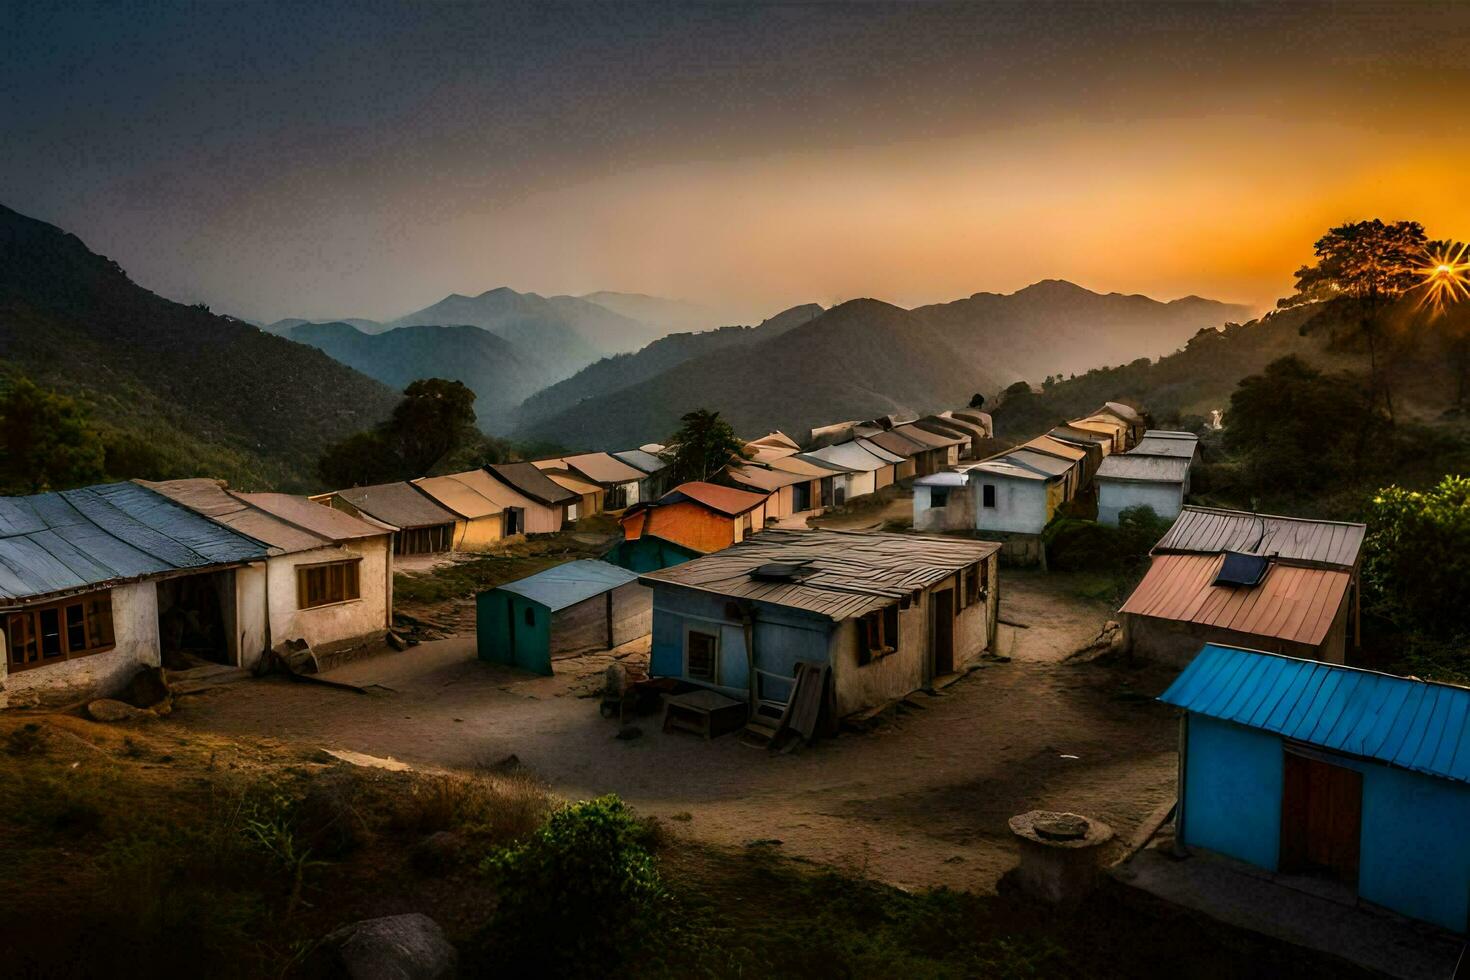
x,y
1298,766
574,608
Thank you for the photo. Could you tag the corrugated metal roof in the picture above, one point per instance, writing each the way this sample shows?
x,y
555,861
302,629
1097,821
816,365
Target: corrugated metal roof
x,y
725,500
1067,433
852,573
1055,447
767,455
851,456
566,585
1181,445
944,478
826,464
1207,530
330,525
768,480
76,539
1143,469
982,419
1000,467
1125,412
602,468
473,494
1293,602
210,499
928,439
1411,724
777,440
897,443
399,504
1041,462
527,479
801,467
877,450
642,460
573,483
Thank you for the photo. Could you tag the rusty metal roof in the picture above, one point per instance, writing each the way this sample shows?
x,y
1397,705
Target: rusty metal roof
x,y
850,572
725,500
1292,602
1412,724
1208,530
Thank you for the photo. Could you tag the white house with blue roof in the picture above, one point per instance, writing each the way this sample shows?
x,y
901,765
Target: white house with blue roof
x,y
82,574
1308,768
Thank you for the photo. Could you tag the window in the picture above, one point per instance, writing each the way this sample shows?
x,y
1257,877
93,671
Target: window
x,y
939,496
701,655
974,590
326,583
878,634
987,495
59,631
422,540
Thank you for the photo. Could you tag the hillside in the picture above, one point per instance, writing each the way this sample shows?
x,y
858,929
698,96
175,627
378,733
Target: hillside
x,y
499,372
211,395
624,370
667,315
568,329
856,360
1055,327
904,360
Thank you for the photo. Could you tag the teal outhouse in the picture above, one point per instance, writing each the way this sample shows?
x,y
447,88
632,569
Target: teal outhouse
x,y
579,607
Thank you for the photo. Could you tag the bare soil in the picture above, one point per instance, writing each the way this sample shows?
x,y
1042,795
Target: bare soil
x,y
921,801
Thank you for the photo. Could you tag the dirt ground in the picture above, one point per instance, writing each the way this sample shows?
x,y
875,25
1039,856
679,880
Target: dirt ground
x,y
921,801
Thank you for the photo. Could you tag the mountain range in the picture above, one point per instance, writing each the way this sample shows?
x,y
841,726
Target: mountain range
x,y
862,359
199,393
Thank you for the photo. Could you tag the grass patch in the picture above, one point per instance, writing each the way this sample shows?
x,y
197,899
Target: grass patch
x,y
465,577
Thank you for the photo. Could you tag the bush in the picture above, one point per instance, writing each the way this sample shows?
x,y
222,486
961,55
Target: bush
x,y
1417,558
580,897
1075,545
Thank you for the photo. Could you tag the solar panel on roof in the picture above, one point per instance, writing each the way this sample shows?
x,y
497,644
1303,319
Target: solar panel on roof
x,y
1246,571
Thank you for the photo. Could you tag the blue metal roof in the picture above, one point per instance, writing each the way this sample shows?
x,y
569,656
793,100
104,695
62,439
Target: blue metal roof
x,y
1411,724
75,539
566,585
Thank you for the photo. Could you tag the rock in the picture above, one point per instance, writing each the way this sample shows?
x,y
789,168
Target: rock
x,y
148,688
1111,625
395,641
437,852
108,709
297,656
395,947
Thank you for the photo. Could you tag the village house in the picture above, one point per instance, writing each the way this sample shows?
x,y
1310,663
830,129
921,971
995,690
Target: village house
x,y
327,577
887,613
92,578
828,481
945,424
1281,584
974,416
560,504
895,444
421,526
655,482
576,608
1068,472
489,512
1154,473
939,450
1076,456
868,468
591,497
1109,425
1095,444
1306,769
790,493
618,481
699,517
1129,416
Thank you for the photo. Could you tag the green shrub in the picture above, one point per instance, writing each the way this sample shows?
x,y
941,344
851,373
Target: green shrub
x,y
580,896
1076,545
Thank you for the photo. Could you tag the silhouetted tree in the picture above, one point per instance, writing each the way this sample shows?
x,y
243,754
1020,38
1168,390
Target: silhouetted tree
x,y
46,442
1374,263
434,423
704,445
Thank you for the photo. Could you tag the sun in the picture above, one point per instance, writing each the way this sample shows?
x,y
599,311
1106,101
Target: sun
x,y
1444,277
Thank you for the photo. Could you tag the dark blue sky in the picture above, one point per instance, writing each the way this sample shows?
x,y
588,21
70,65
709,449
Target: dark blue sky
x,y
364,159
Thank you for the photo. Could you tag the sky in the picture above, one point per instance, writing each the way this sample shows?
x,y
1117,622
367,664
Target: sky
x,y
365,159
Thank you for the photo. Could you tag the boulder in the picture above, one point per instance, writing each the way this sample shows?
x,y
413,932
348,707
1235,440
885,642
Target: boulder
x,y
148,688
297,656
394,947
107,709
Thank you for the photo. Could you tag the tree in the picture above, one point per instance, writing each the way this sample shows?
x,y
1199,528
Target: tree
x,y
704,445
1373,263
1296,429
433,424
1417,558
46,442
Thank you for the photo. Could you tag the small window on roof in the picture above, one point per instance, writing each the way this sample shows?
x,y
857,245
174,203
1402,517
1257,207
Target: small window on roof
x,y
1242,571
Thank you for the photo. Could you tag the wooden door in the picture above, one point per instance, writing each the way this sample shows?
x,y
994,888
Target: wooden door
x,y
941,630
1321,818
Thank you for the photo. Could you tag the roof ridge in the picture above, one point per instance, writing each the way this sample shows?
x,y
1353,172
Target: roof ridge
x,y
1275,517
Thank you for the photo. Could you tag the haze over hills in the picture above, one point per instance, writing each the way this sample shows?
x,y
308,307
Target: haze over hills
x,y
500,372
205,394
555,319
866,358
668,315
623,370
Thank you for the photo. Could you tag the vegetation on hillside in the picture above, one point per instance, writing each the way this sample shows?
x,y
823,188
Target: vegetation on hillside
x,y
704,445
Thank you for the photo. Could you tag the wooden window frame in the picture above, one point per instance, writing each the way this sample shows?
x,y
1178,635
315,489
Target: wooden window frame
x,y
974,584
714,634
96,610
352,594
878,634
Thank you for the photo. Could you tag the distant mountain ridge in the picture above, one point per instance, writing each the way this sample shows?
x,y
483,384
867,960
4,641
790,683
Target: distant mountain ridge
x,y
866,358
210,394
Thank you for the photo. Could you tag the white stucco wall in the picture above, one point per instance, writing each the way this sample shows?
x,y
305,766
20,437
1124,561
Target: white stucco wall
x,y
135,635
1116,496
1020,505
252,637
323,626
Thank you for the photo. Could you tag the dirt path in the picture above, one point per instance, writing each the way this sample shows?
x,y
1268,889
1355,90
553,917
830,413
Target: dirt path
x,y
921,801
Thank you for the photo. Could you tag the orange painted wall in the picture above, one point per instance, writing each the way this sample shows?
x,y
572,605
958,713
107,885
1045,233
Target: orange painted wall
x,y
685,523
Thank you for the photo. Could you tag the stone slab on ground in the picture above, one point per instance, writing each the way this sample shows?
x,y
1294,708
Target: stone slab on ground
x,y
1239,895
